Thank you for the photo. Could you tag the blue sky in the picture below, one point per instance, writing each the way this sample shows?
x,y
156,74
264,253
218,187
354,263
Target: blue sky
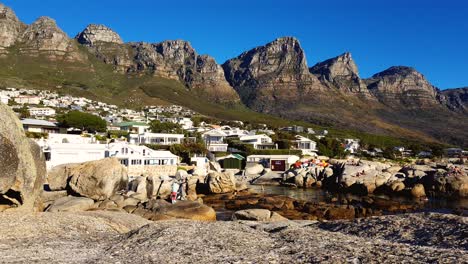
x,y
431,36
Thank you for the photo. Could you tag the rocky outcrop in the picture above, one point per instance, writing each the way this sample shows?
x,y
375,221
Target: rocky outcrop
x,y
258,215
44,37
221,182
99,179
455,99
94,34
341,73
71,204
403,86
10,28
161,210
271,74
22,164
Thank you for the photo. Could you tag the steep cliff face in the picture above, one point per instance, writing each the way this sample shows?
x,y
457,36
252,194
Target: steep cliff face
x,y
403,86
10,28
455,99
270,74
107,46
341,73
173,59
44,37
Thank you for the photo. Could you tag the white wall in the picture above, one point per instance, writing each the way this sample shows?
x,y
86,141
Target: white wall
x,y
63,153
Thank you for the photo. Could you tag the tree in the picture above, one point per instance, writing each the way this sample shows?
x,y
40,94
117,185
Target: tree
x,y
82,121
157,126
186,150
331,147
24,112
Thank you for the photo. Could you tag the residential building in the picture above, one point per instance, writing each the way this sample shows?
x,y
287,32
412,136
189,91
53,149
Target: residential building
x,y
156,138
141,160
259,141
4,99
351,145
27,99
63,153
454,152
278,163
233,131
214,140
134,127
307,146
39,126
44,111
184,122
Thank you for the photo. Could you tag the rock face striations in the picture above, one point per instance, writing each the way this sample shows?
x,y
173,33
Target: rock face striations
x,y
10,28
175,59
341,73
404,86
271,75
456,99
44,37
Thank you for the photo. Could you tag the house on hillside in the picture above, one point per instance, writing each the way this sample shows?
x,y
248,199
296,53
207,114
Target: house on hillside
x,y
39,126
214,140
259,141
279,163
133,127
42,111
306,145
351,145
141,160
156,138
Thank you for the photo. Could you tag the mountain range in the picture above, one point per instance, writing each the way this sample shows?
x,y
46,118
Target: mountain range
x,y
273,79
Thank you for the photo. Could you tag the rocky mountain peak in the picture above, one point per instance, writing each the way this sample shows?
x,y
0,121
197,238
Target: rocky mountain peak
x,y
403,84
342,73
7,13
342,65
93,34
10,28
45,37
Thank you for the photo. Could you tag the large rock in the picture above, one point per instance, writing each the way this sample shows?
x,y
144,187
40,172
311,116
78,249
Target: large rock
x,y
159,187
223,182
162,210
258,215
71,204
418,191
57,177
99,179
93,34
253,169
138,185
22,165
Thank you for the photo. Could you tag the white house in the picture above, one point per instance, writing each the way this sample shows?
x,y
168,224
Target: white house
x,y
274,162
42,111
4,99
141,160
184,122
307,146
351,145
27,99
234,131
214,140
259,141
134,127
156,138
63,153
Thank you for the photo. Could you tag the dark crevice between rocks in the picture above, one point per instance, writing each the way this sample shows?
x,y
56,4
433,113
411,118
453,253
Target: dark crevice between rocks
x,y
12,198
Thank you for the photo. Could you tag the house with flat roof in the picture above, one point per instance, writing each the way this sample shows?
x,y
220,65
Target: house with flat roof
x,y
134,127
259,141
306,145
156,138
39,126
42,111
274,162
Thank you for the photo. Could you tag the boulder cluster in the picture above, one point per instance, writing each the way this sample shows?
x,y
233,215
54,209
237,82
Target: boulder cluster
x,y
364,177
